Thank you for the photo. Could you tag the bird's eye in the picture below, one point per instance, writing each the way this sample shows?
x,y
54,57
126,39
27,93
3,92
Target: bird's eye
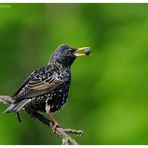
x,y
69,51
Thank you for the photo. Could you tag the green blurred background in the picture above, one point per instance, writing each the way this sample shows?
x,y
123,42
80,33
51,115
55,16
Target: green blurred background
x,y
108,96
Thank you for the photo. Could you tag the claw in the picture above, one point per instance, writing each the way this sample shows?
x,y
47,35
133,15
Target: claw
x,y
54,126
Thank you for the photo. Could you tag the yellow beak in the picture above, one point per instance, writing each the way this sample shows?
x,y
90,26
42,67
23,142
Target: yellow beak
x,y
77,54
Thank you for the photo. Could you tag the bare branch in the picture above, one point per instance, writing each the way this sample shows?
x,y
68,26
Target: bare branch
x,y
62,132
6,99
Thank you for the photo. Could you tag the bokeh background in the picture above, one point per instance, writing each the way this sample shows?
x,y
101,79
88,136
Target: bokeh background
x,y
108,97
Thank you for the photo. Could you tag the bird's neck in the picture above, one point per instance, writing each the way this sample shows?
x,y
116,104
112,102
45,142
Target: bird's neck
x,y
56,62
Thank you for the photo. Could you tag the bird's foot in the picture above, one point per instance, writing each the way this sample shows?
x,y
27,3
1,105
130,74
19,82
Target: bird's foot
x,y
54,126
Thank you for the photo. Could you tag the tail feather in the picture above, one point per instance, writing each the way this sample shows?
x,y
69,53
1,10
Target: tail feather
x,y
16,107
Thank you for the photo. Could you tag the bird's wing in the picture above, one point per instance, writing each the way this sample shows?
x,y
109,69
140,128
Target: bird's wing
x,y
50,82
39,84
22,86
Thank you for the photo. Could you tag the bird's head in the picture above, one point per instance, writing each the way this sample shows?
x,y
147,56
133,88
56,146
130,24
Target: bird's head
x,y
66,55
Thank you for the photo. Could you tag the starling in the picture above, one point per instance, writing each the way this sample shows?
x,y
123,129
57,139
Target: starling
x,y
46,89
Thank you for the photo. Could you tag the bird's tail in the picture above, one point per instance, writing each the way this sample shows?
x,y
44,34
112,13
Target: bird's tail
x,y
17,106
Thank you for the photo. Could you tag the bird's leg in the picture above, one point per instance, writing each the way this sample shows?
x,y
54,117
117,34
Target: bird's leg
x,y
55,123
18,116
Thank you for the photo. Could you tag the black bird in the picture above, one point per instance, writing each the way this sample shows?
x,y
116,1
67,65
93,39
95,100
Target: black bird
x,y
46,89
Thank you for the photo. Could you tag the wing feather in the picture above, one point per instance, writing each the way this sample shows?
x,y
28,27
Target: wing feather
x,y
40,84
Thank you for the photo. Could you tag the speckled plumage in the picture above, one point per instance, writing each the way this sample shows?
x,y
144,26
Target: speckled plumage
x,y
46,89
47,86
58,94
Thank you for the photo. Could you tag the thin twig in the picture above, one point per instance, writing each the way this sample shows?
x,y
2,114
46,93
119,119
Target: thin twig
x,y
6,99
73,131
62,132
